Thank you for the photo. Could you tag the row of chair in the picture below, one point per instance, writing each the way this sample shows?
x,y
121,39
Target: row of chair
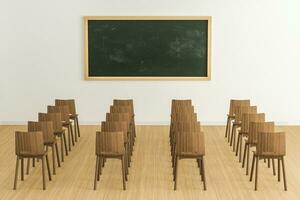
x,y
251,127
116,138
44,133
186,137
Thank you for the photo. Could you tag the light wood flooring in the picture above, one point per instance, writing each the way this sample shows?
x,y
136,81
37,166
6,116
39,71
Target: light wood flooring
x,y
150,174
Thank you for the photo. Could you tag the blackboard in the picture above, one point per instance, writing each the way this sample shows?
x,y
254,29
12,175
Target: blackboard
x,y
147,48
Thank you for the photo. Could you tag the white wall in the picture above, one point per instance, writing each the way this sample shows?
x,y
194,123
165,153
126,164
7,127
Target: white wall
x,y
255,54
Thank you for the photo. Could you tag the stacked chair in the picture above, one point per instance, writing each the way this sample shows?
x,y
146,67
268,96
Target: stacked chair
x,y
44,133
116,138
186,137
251,128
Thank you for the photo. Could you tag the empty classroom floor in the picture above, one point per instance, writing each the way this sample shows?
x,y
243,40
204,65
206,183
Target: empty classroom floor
x,y
150,174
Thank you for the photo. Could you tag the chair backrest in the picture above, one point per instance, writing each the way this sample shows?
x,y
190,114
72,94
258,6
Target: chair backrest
x,y
184,117
67,102
271,143
46,127
240,110
121,109
178,105
257,127
190,143
118,117
124,102
116,126
63,110
29,143
109,143
248,118
55,118
237,102
186,127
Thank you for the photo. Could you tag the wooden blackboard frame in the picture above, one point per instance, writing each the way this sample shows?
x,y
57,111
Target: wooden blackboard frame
x,y
86,53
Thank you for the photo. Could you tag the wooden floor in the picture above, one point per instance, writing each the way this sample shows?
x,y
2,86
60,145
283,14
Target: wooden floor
x,y
150,176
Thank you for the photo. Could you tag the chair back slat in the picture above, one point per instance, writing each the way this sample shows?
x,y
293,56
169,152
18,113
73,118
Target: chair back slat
x,y
46,127
55,118
29,143
240,110
113,126
235,102
271,144
190,143
109,143
67,102
118,117
257,127
124,102
248,118
63,110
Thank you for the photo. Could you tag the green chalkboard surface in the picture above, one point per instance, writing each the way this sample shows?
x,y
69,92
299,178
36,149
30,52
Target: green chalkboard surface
x,y
147,48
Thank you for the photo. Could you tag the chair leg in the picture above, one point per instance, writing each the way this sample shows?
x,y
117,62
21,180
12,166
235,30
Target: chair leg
x,y
256,172
244,155
62,148
269,163
226,131
16,174
283,173
57,155
176,172
241,145
65,143
123,173
252,167
77,124
43,173
33,162
28,166
72,135
48,168
232,133
237,145
248,157
203,173
273,166
53,159
96,173
278,169
69,138
234,137
99,167
22,169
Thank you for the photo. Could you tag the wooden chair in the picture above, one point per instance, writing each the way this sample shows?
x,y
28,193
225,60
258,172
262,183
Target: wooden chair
x,y
231,115
116,117
46,127
125,109
109,145
120,126
190,145
127,102
73,113
30,145
66,123
55,118
178,127
270,145
239,111
246,120
254,129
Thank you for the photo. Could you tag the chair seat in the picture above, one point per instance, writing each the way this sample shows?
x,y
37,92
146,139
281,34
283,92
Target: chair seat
x,y
112,154
190,154
64,123
73,116
59,132
30,154
238,123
